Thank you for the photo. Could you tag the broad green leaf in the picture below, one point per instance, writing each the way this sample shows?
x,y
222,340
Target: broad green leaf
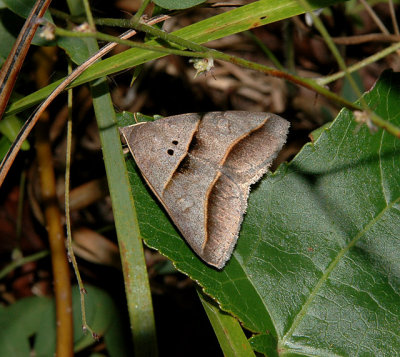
x,y
118,345
100,312
316,270
76,48
17,323
34,317
177,4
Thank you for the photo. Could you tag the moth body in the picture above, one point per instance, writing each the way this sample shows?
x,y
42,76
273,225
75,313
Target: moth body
x,y
201,166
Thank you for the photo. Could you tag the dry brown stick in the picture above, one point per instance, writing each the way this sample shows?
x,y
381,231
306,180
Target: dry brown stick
x,y
61,277
375,17
59,260
30,123
393,17
371,37
350,40
12,66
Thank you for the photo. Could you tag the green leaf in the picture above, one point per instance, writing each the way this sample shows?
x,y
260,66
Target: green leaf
x,y
4,146
10,127
316,270
100,313
265,343
116,339
177,4
314,135
11,21
18,322
347,90
76,48
230,334
14,23
127,118
23,8
35,317
8,30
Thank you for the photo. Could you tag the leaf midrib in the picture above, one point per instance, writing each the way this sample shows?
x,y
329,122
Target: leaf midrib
x,y
302,313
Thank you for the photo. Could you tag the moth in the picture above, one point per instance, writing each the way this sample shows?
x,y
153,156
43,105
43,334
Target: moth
x,y
201,165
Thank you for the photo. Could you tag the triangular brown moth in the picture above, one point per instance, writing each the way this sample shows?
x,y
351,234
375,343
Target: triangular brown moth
x,y
201,166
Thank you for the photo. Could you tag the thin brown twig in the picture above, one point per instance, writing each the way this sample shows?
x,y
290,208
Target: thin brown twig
x,y
371,37
30,123
59,260
350,40
224,4
12,66
393,16
375,17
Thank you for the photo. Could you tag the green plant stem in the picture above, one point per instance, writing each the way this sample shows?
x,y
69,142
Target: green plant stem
x,y
321,81
266,50
377,120
204,52
109,38
88,13
331,45
22,261
310,84
288,46
137,287
140,11
355,67
71,255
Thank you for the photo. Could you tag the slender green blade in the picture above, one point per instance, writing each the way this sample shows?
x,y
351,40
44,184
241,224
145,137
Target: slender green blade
x,y
230,335
240,19
138,295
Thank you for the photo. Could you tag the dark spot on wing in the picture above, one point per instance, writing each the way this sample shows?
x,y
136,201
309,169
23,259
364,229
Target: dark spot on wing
x,y
194,144
184,165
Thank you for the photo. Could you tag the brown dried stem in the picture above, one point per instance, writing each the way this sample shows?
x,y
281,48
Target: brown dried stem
x,y
61,274
375,17
393,16
12,66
